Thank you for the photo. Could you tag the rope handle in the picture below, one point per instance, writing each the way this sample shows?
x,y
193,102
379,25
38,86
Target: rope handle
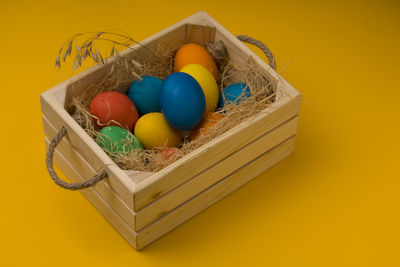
x,y
262,46
50,167
100,176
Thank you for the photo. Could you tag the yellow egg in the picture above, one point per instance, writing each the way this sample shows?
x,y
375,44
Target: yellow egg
x,y
153,131
207,82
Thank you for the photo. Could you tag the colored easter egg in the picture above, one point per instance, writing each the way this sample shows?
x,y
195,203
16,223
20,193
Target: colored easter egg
x,y
170,153
182,101
209,120
234,94
195,54
113,108
114,139
145,94
207,83
154,131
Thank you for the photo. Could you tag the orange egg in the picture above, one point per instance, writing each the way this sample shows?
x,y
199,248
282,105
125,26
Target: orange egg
x,y
195,54
208,121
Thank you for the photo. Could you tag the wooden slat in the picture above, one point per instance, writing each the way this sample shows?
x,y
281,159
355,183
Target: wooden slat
x,y
191,207
200,34
171,200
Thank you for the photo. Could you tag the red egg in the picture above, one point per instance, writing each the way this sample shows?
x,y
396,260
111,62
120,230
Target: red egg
x,y
113,108
168,153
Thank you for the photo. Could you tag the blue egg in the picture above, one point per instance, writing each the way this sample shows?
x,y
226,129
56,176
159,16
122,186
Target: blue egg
x,y
234,93
182,101
145,94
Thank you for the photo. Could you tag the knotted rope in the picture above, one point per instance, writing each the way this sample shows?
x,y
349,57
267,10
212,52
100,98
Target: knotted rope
x,y
49,163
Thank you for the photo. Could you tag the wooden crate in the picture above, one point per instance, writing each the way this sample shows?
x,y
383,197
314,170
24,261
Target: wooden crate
x,y
147,205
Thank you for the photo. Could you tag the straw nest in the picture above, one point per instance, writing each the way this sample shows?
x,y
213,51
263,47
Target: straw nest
x,y
125,69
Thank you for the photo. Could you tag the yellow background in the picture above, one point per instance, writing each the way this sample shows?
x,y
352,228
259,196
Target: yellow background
x,y
334,202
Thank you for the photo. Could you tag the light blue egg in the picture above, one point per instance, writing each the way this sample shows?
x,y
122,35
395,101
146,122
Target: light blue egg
x,y
182,101
234,94
145,94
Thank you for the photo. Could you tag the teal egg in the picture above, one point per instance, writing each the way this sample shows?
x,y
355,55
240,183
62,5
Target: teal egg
x,y
234,94
114,140
145,94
